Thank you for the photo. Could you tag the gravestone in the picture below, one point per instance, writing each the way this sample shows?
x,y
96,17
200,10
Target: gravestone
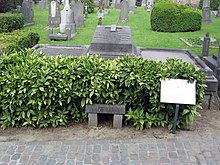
x,y
78,9
206,16
67,18
28,12
205,47
54,14
105,4
132,6
124,11
148,7
116,4
218,13
42,5
112,41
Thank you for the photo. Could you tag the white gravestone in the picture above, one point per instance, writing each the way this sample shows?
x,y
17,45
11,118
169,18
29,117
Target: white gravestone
x,y
53,9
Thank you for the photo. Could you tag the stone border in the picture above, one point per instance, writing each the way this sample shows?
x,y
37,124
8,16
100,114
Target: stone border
x,y
190,45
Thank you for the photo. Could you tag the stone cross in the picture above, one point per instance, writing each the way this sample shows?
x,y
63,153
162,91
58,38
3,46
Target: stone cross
x,y
124,11
206,16
205,47
218,13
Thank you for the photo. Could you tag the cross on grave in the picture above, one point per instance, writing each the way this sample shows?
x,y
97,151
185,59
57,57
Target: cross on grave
x,y
113,28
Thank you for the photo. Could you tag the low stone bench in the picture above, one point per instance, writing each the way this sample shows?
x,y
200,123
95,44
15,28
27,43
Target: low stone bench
x,y
117,110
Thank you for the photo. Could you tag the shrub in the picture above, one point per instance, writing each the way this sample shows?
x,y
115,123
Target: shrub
x,y
51,91
18,40
10,22
214,4
173,17
7,5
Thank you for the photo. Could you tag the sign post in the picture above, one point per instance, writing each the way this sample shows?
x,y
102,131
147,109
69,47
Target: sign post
x,y
177,91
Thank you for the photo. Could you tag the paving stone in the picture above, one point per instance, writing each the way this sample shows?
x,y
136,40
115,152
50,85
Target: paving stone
x,y
15,156
173,155
5,158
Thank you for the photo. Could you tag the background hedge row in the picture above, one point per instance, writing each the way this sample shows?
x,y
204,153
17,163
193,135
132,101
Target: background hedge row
x,y
18,40
10,22
49,91
173,17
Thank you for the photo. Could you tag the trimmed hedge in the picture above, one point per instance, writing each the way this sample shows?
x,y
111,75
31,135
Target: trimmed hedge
x,y
49,91
173,17
18,40
10,22
214,4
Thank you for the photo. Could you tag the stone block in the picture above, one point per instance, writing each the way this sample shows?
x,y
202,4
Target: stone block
x,y
117,121
93,119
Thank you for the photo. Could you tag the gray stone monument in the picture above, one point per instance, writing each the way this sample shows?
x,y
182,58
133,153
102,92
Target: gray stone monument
x,y
112,41
116,4
218,64
206,16
28,12
124,11
78,9
42,5
54,14
218,13
67,18
105,4
205,47
132,6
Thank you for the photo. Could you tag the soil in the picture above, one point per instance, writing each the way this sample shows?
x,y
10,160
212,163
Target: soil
x,y
207,124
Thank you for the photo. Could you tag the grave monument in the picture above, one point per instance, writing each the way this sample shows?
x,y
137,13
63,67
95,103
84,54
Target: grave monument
x,y
54,14
112,41
124,11
218,13
132,6
206,18
28,12
67,18
42,5
78,9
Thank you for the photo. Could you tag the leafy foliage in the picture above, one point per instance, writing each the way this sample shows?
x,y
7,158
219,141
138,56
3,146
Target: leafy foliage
x,y
91,5
10,22
19,40
50,91
173,17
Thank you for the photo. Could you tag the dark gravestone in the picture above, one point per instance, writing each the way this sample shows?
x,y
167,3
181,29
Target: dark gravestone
x,y
124,10
78,9
54,17
206,16
28,12
112,41
218,13
205,47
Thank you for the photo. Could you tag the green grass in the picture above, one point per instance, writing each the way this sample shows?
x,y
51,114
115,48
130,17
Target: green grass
x,y
142,35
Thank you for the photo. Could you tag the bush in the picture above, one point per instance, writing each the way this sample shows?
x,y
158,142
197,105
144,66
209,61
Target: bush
x,y
173,17
18,40
10,22
214,4
51,91
7,5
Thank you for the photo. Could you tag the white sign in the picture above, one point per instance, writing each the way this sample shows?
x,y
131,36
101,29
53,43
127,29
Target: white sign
x,y
178,91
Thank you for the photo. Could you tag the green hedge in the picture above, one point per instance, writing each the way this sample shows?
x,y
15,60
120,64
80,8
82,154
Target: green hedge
x,y
173,17
91,5
214,4
10,22
49,91
18,40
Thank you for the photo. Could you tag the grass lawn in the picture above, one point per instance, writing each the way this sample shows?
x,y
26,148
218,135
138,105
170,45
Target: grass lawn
x,y
142,35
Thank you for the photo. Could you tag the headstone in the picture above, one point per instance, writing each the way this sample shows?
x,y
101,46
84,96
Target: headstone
x,y
116,4
67,18
105,4
78,9
144,3
18,8
148,7
218,13
28,12
132,6
205,47
124,11
42,5
54,14
206,18
112,41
